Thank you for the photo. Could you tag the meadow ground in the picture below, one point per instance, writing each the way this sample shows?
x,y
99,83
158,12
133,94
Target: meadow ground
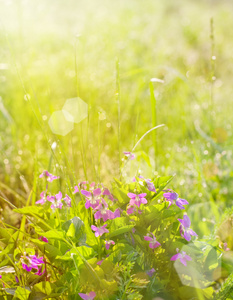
x,y
110,54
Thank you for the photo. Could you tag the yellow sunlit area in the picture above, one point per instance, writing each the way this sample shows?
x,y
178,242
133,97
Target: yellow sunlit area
x,y
116,150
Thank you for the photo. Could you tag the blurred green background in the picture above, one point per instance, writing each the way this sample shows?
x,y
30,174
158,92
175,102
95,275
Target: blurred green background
x,y
106,53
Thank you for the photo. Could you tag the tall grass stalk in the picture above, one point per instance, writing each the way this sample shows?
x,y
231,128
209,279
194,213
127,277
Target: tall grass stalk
x,y
154,122
118,98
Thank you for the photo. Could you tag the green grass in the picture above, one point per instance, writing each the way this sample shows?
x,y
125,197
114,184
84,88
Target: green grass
x,y
44,58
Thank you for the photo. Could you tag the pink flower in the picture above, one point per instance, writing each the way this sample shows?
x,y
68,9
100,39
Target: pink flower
x,y
151,272
99,262
173,198
137,199
182,257
89,296
107,193
56,201
132,209
44,239
148,182
150,185
31,262
129,155
67,200
117,213
82,184
40,272
108,243
153,242
103,212
225,247
99,231
49,176
92,199
185,229
42,200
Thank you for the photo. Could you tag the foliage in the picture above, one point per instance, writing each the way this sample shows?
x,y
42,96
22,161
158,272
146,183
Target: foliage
x,y
64,251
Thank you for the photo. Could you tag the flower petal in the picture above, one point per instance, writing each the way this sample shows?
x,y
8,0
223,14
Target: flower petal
x,y
131,195
176,256
183,261
187,221
148,238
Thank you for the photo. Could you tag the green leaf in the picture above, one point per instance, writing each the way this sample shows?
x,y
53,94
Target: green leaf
x,y
50,250
44,287
53,234
121,195
212,259
37,296
121,230
22,293
75,229
30,211
71,231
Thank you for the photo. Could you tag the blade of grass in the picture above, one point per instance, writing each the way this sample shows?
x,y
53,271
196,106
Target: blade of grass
x,y
118,98
154,122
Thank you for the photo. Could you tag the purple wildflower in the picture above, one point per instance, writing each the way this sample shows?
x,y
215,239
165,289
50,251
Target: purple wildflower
x,y
153,242
148,182
92,199
43,239
40,272
31,262
140,176
99,262
107,193
99,231
81,185
108,243
137,199
67,200
225,247
185,229
151,272
56,201
49,176
173,198
182,257
43,199
76,190
150,185
132,209
129,155
104,213
89,296
117,213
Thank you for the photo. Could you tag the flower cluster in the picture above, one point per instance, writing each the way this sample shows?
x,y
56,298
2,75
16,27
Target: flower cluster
x,y
135,201
153,242
49,177
182,257
56,201
30,262
149,184
101,204
173,198
95,199
185,229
